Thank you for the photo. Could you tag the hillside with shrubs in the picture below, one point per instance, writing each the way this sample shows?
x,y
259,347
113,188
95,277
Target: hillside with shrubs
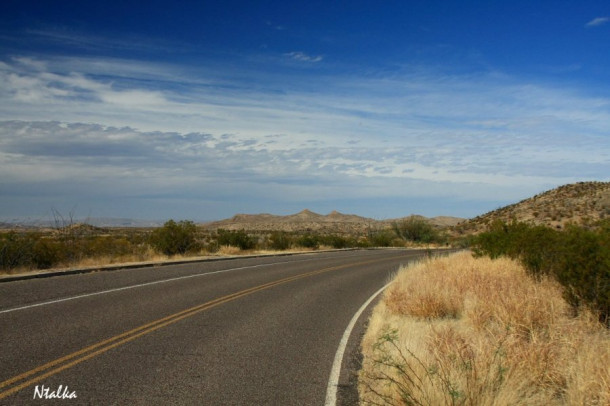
x,y
583,203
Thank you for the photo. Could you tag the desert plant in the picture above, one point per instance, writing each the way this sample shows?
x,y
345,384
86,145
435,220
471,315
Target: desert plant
x,y
175,238
578,258
336,241
47,253
308,241
584,269
15,250
239,239
383,238
280,240
416,229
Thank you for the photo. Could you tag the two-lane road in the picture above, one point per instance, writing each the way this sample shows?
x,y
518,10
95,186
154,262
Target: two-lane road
x,y
259,331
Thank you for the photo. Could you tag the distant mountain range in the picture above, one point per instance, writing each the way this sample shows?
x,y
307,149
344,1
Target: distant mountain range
x,y
578,203
308,220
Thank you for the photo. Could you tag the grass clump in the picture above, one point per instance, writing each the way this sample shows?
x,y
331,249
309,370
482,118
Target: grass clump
x,y
475,331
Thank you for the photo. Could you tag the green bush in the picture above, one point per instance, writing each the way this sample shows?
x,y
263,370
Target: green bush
x,y
336,241
280,240
238,239
383,238
29,250
47,253
15,250
584,268
308,241
108,245
417,230
175,238
578,258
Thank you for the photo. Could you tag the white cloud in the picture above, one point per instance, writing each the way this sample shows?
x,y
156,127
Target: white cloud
x,y
134,99
172,130
302,57
597,21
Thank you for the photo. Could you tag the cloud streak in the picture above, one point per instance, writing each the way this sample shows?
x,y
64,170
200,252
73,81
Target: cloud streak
x,y
303,57
88,127
598,21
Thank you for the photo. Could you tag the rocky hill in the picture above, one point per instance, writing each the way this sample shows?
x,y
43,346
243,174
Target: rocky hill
x,y
307,220
580,203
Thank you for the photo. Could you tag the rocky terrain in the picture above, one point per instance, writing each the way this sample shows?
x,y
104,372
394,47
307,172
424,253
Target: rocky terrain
x,y
582,203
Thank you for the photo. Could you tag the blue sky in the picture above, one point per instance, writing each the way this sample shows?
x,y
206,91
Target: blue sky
x,y
200,110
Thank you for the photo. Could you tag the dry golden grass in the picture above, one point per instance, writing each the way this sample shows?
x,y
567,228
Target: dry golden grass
x,y
228,250
460,330
149,255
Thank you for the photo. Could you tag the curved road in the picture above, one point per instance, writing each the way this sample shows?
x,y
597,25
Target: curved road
x,y
258,331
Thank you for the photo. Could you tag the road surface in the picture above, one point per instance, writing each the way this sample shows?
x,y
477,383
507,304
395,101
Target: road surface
x,y
257,331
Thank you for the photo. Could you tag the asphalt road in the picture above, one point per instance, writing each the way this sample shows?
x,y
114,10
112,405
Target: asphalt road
x,y
258,331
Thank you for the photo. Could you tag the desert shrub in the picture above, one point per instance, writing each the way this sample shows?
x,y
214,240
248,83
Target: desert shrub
x,y
336,241
15,250
280,240
30,250
308,241
416,230
584,269
109,246
383,238
47,253
238,239
536,246
463,242
175,238
578,258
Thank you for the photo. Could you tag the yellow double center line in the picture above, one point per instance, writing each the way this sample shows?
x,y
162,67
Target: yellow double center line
x,y
35,375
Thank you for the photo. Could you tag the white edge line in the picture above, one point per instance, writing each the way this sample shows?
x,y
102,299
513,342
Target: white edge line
x,y
333,380
139,285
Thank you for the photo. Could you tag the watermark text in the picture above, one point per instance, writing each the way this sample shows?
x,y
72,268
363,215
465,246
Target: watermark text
x,y
62,392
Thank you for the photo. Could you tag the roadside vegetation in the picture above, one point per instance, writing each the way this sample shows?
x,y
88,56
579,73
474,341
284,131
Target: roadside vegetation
x,y
577,257
466,330
71,244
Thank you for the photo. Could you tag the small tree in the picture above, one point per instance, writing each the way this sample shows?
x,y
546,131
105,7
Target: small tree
x,y
175,238
416,229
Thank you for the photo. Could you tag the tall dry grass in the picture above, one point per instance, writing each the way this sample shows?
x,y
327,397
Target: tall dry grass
x,y
463,331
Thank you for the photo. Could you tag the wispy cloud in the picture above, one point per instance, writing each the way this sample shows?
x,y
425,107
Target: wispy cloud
x,y
88,41
303,57
598,21
75,160
175,131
